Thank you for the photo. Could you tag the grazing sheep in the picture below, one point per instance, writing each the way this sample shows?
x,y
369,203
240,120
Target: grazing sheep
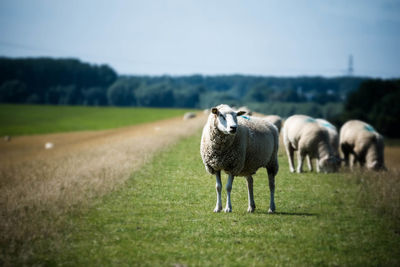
x,y
333,138
239,145
365,144
304,134
189,115
275,120
48,145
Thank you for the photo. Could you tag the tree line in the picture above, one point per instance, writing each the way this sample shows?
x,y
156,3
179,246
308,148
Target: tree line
x,y
72,82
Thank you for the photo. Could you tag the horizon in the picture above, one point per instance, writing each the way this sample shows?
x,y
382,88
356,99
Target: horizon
x,y
184,38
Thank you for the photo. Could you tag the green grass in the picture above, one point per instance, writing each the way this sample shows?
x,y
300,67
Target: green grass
x,y
40,119
163,217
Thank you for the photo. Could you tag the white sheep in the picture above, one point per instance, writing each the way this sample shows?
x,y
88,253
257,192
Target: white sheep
x,y
246,110
333,138
304,134
189,115
275,120
365,144
239,145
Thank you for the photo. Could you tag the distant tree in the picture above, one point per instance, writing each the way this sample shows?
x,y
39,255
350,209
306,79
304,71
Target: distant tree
x,y
121,94
95,96
63,95
376,102
13,91
158,95
187,97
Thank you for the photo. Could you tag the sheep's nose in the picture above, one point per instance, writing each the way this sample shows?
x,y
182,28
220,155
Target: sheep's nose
x,y
233,129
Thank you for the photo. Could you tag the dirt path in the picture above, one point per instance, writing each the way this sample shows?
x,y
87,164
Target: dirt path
x,y
80,166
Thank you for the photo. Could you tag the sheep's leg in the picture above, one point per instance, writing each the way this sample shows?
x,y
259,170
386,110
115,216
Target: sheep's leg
x,y
309,163
252,204
271,180
300,160
353,161
218,187
346,156
318,168
228,207
290,154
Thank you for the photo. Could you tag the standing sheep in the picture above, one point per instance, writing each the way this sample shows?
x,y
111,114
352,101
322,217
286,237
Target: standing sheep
x,y
275,120
364,143
304,134
239,145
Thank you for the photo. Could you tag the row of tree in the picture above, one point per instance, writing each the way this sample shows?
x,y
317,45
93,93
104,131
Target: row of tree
x,y
377,102
72,82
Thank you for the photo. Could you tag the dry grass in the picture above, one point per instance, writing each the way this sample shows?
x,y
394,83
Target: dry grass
x,y
38,187
380,191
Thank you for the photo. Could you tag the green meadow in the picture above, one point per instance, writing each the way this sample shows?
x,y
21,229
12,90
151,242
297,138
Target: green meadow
x,y
40,119
163,216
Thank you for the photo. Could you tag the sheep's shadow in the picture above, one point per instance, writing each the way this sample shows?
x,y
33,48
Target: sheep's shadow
x,y
300,214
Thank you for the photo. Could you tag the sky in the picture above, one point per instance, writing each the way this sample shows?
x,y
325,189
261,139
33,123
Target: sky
x,y
210,37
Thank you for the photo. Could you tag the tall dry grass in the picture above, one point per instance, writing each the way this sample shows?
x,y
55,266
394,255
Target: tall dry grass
x,y
38,192
380,191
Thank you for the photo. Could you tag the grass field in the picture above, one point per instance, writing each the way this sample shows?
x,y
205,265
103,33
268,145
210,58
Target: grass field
x,y
163,217
39,119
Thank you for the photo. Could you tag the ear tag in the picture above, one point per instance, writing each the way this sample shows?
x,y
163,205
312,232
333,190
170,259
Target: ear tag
x,y
245,117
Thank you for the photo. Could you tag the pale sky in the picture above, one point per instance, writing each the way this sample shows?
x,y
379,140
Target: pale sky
x,y
279,38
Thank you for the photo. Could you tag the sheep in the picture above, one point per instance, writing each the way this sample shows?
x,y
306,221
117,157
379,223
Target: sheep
x,y
246,110
48,145
365,144
304,134
275,120
189,115
239,145
333,138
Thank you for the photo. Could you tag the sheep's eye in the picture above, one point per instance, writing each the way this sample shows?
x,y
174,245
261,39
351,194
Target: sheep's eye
x,y
222,116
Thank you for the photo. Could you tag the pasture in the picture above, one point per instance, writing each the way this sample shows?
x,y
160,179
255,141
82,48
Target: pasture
x,y
163,216
106,203
41,119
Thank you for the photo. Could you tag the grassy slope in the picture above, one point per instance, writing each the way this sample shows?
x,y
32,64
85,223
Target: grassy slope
x,y
35,119
163,216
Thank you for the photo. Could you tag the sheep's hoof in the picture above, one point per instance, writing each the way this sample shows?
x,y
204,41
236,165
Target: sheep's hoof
x,y
270,211
227,210
292,170
217,209
251,209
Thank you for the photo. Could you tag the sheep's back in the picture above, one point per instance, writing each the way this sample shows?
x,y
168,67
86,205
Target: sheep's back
x,y
355,132
262,143
301,128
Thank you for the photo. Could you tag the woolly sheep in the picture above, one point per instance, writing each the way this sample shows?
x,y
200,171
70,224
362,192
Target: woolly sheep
x,y
304,134
365,144
246,110
333,138
239,145
275,120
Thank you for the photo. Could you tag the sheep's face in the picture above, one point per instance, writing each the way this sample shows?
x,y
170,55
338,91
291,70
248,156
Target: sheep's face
x,y
226,119
328,164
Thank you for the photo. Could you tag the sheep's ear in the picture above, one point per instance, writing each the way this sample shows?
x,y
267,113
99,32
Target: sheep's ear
x,y
214,111
240,113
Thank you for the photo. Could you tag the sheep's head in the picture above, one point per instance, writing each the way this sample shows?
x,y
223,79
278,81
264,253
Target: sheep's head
x,y
226,118
329,164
